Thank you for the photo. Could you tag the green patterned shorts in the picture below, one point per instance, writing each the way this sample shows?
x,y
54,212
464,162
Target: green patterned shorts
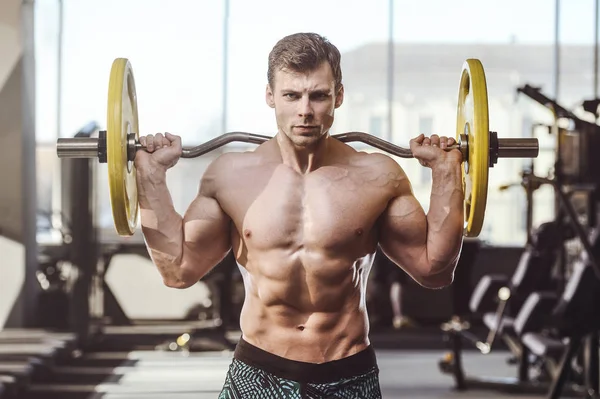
x,y
256,374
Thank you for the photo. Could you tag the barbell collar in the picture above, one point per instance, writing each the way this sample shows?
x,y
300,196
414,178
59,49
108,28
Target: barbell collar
x,y
102,146
494,151
512,148
79,147
518,148
83,147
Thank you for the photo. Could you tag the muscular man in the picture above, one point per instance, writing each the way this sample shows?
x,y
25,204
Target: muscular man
x,y
304,214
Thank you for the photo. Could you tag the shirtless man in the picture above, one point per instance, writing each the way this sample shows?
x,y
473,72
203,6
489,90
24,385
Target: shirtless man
x,y
304,214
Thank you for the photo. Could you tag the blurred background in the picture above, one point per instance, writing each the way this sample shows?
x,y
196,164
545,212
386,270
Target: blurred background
x,y
200,71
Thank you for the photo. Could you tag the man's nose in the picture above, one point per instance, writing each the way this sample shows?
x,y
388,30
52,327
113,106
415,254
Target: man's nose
x,y
305,107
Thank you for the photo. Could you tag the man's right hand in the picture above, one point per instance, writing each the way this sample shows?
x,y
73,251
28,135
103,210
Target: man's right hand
x,y
161,151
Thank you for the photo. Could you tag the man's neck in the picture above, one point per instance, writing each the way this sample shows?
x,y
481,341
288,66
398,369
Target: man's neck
x,y
303,159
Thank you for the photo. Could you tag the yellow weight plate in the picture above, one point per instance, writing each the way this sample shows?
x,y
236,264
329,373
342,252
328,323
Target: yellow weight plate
x,y
473,120
122,118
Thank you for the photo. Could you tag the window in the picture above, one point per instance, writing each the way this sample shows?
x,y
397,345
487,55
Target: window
x,y
177,50
252,35
376,126
515,49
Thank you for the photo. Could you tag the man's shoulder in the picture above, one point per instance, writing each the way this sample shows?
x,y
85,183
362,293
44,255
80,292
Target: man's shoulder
x,y
236,160
383,169
237,164
232,159
376,161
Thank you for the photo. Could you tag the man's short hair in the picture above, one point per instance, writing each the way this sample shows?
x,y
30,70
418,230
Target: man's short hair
x,y
304,52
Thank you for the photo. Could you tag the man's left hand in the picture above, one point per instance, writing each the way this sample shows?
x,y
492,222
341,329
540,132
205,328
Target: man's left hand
x,y
431,151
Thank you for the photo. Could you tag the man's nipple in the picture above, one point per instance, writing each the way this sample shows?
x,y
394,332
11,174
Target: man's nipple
x,y
247,233
359,231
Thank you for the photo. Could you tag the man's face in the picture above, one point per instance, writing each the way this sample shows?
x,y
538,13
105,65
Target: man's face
x,y
304,103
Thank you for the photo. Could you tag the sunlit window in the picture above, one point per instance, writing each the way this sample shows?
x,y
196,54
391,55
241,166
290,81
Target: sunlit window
x,y
200,70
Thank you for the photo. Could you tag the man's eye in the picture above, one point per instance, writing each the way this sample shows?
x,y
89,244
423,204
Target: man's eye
x,y
320,96
290,95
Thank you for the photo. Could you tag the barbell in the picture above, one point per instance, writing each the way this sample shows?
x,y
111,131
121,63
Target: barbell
x,y
118,145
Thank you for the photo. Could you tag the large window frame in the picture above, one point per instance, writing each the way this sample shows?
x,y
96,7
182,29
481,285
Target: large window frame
x,y
389,23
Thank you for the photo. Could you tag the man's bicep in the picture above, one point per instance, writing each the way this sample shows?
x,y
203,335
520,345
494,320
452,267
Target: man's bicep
x,y
403,235
207,238
206,224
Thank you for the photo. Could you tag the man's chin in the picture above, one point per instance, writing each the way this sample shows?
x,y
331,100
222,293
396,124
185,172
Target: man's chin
x,y
306,140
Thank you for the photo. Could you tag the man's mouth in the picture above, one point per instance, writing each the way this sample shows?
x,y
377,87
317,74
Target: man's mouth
x,y
305,127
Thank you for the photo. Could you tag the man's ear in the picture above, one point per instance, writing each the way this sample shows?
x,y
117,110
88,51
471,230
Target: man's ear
x,y
269,97
339,98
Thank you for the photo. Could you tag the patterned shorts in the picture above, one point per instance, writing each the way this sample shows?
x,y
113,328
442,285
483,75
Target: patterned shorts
x,y
268,376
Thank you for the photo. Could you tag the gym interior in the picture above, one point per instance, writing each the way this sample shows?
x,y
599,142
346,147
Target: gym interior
x,y
85,314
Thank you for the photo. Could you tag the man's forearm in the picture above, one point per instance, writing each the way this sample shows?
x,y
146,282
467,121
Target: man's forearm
x,y
161,225
445,218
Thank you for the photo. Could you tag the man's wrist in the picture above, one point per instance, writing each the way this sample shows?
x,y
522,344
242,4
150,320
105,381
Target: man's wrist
x,y
153,174
445,167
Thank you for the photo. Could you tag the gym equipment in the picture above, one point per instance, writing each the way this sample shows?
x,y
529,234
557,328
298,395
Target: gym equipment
x,y
81,306
499,299
578,162
576,328
118,145
25,353
551,329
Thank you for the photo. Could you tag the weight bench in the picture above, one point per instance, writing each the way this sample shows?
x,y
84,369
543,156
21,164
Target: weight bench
x,y
25,342
8,387
552,328
573,320
16,376
499,299
544,346
46,351
34,347
33,335
27,352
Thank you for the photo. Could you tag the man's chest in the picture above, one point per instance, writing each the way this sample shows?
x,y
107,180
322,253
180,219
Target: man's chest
x,y
328,207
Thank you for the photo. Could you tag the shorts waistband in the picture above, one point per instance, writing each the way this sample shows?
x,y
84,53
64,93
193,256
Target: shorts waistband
x,y
351,366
